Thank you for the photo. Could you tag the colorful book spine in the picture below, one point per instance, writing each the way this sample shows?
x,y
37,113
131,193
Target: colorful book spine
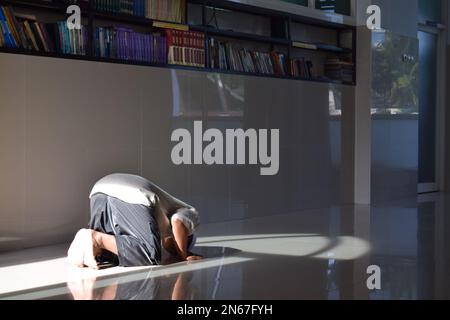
x,y
166,10
72,42
130,7
2,38
125,44
225,56
186,48
301,68
23,31
12,25
10,40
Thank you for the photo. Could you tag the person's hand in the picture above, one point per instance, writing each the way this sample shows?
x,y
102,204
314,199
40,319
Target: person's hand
x,y
193,257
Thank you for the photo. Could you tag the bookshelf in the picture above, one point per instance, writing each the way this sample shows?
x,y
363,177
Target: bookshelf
x,y
291,36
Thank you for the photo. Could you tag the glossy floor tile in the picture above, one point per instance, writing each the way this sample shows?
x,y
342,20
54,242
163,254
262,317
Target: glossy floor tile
x,y
316,254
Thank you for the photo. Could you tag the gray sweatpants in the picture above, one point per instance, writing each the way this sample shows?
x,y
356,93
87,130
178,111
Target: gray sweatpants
x,y
134,227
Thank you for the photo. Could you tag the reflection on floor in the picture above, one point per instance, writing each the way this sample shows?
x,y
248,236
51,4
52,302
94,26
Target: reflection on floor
x,y
320,254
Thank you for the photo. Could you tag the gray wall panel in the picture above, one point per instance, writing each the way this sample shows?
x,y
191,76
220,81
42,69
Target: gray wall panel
x,y
12,151
72,122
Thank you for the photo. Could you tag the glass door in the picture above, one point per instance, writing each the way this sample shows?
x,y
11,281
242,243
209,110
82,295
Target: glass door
x,y
428,110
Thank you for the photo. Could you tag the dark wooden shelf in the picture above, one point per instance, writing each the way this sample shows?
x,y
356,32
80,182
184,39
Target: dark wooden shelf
x,y
241,7
56,7
248,8
329,50
129,19
337,51
119,17
157,65
286,77
213,31
319,23
92,15
44,54
209,30
230,5
241,35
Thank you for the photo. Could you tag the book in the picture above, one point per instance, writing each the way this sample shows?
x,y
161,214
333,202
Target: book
x,y
129,7
126,44
186,47
18,32
304,45
166,10
329,47
24,31
46,37
301,68
32,43
69,41
339,69
2,37
10,39
226,56
40,42
12,25
169,25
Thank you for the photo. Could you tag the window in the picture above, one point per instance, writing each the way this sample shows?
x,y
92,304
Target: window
x,y
430,10
335,6
299,2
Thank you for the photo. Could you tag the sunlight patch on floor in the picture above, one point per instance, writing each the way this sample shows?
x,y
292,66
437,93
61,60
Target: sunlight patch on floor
x,y
295,245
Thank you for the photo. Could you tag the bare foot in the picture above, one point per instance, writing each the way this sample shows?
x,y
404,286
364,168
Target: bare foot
x,y
83,250
82,288
75,254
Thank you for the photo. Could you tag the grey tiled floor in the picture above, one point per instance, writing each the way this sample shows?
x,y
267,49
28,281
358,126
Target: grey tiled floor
x,y
316,254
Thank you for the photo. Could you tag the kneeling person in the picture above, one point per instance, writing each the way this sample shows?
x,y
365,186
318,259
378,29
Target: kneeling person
x,y
132,218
